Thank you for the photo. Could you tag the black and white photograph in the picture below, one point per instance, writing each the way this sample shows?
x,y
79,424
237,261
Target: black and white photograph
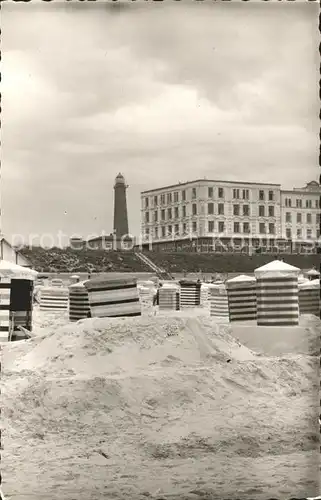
x,y
160,250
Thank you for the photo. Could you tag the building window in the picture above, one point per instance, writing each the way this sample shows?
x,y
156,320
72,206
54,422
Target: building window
x,y
308,203
246,227
176,196
194,193
210,192
261,211
163,214
246,210
317,219
221,227
236,210
271,196
288,217
194,209
176,212
169,198
184,228
156,232
318,234
299,233
221,209
147,217
236,194
163,231
262,228
184,195
271,228
271,211
261,195
176,229
163,199
146,202
147,231
236,227
194,227
211,226
298,203
317,203
210,208
170,230
246,194
309,233
288,202
155,201
309,218
299,218
169,214
184,211
288,233
221,192
155,216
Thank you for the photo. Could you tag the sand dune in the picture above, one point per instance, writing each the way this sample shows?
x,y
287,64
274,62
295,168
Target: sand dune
x,y
157,407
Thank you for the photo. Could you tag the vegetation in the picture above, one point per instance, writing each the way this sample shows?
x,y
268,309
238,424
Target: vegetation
x,y
72,260
229,263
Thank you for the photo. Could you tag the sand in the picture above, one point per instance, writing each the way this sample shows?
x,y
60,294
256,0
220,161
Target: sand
x,y
156,407
274,341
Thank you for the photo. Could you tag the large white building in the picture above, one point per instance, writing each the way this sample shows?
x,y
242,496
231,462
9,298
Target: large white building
x,y
239,214
300,212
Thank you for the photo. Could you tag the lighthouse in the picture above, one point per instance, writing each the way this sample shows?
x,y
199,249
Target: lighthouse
x,y
120,207
119,239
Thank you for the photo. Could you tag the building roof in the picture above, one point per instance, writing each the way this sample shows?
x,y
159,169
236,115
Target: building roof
x,y
112,237
8,270
120,179
313,272
312,187
241,279
307,285
300,191
210,180
276,268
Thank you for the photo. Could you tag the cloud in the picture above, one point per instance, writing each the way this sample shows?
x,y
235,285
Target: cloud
x,y
161,93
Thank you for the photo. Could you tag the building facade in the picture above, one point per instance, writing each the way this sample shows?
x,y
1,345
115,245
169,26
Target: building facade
x,y
77,243
208,214
11,254
300,213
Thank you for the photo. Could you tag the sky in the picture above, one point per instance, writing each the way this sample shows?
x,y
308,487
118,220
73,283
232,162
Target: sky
x,y
163,93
